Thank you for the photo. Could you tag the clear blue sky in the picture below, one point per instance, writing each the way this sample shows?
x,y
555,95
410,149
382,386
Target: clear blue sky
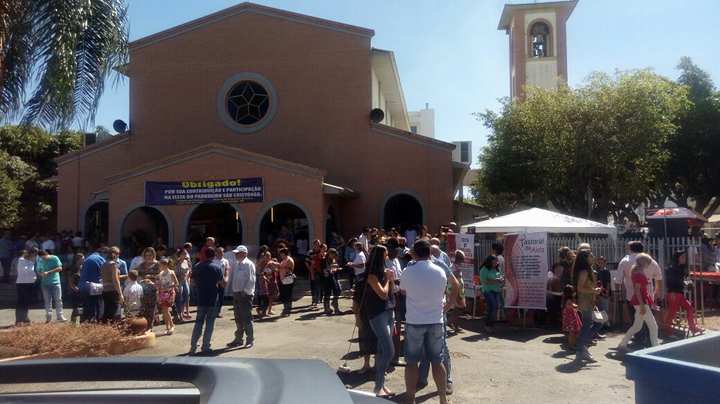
x,y
451,55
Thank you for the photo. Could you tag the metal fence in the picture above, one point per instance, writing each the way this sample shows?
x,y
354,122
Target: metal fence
x,y
660,248
614,249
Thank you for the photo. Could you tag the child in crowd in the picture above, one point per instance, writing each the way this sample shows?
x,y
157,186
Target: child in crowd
x,y
456,308
571,322
149,301
133,294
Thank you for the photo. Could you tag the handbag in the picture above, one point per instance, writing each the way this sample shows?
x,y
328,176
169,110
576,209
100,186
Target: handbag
x,y
288,279
95,289
599,316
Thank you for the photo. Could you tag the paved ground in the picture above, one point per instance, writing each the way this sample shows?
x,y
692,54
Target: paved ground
x,y
513,365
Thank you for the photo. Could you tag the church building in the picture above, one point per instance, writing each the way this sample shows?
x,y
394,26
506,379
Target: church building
x,y
255,123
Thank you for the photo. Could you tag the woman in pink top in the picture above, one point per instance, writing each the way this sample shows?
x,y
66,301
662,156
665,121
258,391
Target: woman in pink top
x,y
642,301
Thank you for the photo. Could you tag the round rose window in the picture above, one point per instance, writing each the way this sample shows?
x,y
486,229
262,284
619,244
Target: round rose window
x,y
246,102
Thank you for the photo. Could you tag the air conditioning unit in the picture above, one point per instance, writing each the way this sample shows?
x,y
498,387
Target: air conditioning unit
x,y
462,152
93,138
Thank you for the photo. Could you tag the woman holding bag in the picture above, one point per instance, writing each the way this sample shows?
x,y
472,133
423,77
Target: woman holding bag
x,y
287,280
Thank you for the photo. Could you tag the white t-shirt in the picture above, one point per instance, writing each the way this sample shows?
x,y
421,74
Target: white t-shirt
x,y
652,272
25,271
48,245
424,284
363,239
359,259
501,263
133,294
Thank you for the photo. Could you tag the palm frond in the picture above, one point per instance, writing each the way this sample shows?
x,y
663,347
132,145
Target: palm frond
x,y
77,43
16,56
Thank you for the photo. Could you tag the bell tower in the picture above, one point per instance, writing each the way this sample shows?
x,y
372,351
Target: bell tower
x,y
538,47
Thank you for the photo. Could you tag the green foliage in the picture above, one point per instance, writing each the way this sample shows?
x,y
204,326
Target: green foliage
x,y
27,163
692,174
63,50
605,139
14,175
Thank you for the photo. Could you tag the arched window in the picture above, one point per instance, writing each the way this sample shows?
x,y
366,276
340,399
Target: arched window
x,y
539,40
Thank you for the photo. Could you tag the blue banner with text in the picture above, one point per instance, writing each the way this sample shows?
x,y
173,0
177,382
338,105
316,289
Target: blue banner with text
x,y
206,191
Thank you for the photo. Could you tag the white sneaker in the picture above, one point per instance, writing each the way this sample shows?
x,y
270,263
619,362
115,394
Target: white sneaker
x,y
62,319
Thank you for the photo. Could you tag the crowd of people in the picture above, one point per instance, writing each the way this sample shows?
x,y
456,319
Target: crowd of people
x,y
403,286
406,289
580,286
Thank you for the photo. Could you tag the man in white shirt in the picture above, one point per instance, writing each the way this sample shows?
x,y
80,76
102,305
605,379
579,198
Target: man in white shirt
x,y
424,284
454,284
242,284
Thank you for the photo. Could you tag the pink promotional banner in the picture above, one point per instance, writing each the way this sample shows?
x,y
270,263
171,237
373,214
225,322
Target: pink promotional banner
x,y
526,269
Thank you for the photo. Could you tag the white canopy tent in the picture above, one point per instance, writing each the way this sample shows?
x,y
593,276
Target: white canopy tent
x,y
541,220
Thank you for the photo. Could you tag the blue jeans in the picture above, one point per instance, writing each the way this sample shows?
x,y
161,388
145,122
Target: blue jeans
x,y
52,295
221,299
92,307
492,301
205,315
425,363
382,328
182,298
589,328
423,341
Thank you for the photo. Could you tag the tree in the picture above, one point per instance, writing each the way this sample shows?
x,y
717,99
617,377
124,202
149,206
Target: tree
x,y
14,173
27,156
692,174
595,151
63,50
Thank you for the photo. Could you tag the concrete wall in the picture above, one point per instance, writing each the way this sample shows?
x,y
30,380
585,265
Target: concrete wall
x,y
424,120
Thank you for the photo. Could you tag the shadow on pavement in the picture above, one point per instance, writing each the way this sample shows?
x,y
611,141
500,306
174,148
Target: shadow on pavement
x,y
563,354
574,367
352,356
424,397
555,340
311,316
355,378
214,352
267,319
476,337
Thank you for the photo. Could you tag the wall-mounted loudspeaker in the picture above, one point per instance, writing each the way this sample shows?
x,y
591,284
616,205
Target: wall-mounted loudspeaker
x,y
120,126
377,115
